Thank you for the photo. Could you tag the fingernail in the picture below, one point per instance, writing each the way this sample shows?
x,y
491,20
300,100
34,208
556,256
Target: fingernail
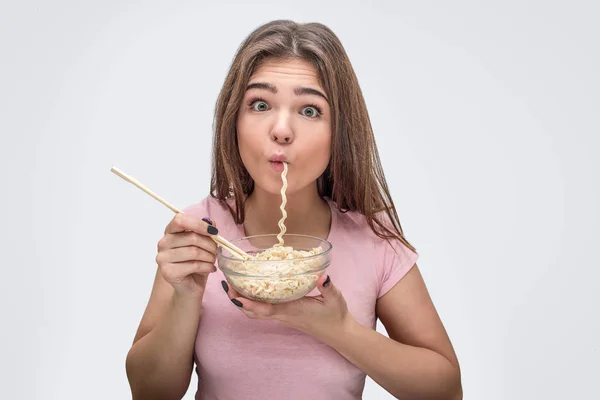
x,y
225,287
237,303
327,281
212,230
207,220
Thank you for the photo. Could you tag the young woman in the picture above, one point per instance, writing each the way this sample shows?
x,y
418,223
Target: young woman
x,y
291,96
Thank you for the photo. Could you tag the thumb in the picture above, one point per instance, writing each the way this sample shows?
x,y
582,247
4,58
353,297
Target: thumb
x,y
209,221
327,289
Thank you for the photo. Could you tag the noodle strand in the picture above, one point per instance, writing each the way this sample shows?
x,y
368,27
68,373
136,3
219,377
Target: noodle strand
x,y
282,227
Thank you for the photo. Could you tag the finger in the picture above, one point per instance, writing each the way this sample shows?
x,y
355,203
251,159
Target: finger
x,y
177,271
175,240
231,292
209,221
327,288
187,253
251,308
184,222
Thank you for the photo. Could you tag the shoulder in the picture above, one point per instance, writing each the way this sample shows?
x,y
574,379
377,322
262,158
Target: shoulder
x,y
210,207
391,257
355,227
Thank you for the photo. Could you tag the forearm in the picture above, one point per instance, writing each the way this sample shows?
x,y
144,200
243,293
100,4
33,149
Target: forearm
x,y
159,365
407,372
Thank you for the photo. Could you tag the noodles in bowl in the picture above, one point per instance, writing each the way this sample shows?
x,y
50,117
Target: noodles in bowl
x,y
276,274
283,267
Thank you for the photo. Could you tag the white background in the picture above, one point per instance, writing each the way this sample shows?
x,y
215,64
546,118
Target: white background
x,y
487,122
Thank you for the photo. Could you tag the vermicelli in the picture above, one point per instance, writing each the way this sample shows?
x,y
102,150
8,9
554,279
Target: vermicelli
x,y
278,281
282,227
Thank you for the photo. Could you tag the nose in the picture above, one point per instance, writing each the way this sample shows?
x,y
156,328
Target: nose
x,y
282,131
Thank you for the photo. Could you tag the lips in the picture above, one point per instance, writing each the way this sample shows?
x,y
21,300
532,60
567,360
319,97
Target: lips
x,y
278,158
276,165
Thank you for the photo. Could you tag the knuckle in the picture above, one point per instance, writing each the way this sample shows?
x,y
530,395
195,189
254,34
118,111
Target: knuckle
x,y
193,265
167,274
202,267
197,253
211,246
197,240
206,246
164,270
179,220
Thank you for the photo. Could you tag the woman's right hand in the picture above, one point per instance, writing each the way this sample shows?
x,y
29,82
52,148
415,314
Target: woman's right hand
x,y
186,254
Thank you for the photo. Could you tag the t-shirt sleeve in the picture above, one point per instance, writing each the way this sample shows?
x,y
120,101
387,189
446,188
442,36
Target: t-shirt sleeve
x,y
199,210
396,259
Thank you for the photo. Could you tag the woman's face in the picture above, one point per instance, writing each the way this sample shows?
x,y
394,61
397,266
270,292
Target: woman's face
x,y
285,116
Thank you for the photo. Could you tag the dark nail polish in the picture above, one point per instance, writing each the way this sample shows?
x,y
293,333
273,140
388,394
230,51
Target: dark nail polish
x,y
237,303
212,230
207,220
225,287
327,281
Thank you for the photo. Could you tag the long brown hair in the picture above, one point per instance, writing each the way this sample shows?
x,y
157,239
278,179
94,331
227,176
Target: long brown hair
x,y
354,178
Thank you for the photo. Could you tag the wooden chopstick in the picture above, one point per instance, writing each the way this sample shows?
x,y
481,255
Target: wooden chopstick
x,y
233,249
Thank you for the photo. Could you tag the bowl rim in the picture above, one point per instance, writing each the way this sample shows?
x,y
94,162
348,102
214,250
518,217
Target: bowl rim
x,y
325,253
228,272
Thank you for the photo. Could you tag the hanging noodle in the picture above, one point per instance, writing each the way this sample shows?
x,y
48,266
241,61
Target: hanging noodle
x,y
279,281
282,227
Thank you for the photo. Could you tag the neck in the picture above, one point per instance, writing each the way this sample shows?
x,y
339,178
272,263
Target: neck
x,y
307,213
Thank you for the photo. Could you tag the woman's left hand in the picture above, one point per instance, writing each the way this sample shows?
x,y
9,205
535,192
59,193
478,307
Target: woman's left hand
x,y
321,316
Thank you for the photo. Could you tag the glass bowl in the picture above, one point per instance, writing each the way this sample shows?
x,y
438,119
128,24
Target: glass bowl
x,y
276,280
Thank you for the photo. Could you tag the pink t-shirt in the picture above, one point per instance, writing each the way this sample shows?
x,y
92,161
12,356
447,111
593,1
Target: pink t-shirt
x,y
241,358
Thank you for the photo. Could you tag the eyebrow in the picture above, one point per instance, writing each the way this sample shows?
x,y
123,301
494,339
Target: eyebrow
x,y
299,91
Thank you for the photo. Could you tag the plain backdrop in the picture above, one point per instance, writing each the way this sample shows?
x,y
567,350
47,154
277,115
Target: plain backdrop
x,y
485,114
